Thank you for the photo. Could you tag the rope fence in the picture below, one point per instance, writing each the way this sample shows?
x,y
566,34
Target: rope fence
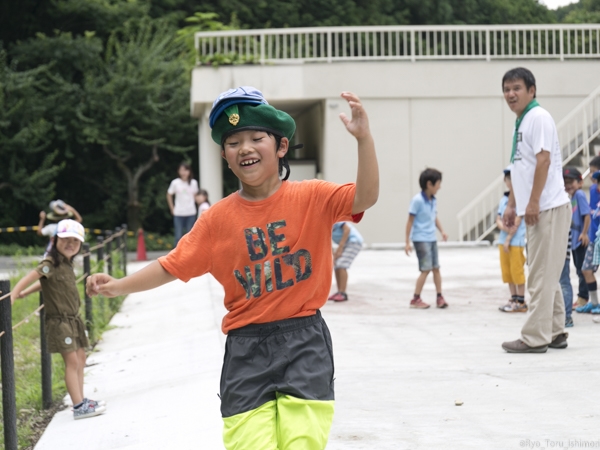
x,y
105,254
110,234
35,228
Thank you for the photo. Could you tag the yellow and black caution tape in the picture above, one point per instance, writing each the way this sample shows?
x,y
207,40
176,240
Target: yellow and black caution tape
x,y
96,231
18,229
35,228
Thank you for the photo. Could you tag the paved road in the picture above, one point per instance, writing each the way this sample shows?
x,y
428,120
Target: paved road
x,y
398,371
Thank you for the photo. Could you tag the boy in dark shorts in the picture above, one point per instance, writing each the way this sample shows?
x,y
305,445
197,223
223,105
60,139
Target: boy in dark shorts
x,y
269,245
580,224
420,229
589,268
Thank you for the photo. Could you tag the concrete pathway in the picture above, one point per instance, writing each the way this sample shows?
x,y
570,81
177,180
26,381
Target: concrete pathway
x,y
398,371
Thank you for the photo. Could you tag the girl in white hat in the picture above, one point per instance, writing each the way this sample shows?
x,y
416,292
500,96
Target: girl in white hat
x,y
65,329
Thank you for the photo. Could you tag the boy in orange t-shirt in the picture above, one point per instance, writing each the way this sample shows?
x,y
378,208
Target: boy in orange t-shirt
x,y
274,262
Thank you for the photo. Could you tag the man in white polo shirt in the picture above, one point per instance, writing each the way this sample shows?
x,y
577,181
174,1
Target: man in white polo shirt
x,y
538,194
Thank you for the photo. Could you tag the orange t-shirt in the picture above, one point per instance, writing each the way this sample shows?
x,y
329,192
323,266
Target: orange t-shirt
x,y
273,256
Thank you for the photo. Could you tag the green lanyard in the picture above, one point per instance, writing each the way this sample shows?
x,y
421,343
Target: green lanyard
x,y
529,107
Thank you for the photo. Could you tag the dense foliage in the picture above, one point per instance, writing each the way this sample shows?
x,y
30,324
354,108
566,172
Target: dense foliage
x,y
303,13
94,94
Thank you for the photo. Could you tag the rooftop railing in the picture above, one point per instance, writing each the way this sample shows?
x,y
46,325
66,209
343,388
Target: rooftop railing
x,y
410,43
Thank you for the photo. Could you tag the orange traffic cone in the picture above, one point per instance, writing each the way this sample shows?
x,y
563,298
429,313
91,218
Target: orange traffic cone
x,y
141,246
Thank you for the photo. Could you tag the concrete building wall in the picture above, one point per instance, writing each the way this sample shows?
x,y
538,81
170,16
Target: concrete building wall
x,y
448,115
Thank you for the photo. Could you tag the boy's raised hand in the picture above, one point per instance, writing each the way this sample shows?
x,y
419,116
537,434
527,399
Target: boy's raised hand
x,y
358,124
102,284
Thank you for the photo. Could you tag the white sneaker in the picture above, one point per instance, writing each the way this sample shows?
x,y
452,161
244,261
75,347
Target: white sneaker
x,y
88,410
95,402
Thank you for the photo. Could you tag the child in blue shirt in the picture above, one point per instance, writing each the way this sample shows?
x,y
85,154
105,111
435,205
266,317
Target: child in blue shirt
x,y
579,225
588,267
511,244
420,229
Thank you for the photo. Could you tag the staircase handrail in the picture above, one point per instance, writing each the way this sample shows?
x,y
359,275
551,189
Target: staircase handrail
x,y
578,108
493,186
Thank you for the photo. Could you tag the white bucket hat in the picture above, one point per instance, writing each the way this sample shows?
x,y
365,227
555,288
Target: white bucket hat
x,y
70,228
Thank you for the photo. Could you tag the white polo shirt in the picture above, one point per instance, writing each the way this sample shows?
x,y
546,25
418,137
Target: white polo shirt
x,y
536,133
184,193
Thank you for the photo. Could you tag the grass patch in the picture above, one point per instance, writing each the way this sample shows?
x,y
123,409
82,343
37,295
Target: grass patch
x,y
16,249
31,418
154,242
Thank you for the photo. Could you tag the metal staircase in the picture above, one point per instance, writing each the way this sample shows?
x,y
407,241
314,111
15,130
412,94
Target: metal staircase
x,y
576,134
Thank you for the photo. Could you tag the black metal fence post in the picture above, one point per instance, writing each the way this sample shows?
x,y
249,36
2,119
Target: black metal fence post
x,y
89,312
117,246
46,360
109,252
100,253
124,227
7,366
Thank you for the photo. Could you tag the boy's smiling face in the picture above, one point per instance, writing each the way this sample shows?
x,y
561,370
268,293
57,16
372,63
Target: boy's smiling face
x,y
571,186
68,246
252,157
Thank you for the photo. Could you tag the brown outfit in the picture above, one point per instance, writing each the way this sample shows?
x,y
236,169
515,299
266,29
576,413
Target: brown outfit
x,y
65,330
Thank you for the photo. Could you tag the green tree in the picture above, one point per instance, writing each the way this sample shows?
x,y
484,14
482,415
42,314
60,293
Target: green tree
x,y
137,105
310,13
200,21
584,11
28,167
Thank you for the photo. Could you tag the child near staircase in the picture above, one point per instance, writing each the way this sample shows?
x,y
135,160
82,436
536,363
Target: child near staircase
x,y
511,243
580,223
588,267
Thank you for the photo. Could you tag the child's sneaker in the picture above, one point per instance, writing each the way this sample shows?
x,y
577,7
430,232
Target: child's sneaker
x,y
596,310
508,307
88,410
418,303
339,297
514,307
569,322
587,308
95,402
440,302
520,307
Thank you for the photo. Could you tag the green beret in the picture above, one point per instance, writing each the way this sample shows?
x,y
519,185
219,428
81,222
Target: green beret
x,y
244,116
